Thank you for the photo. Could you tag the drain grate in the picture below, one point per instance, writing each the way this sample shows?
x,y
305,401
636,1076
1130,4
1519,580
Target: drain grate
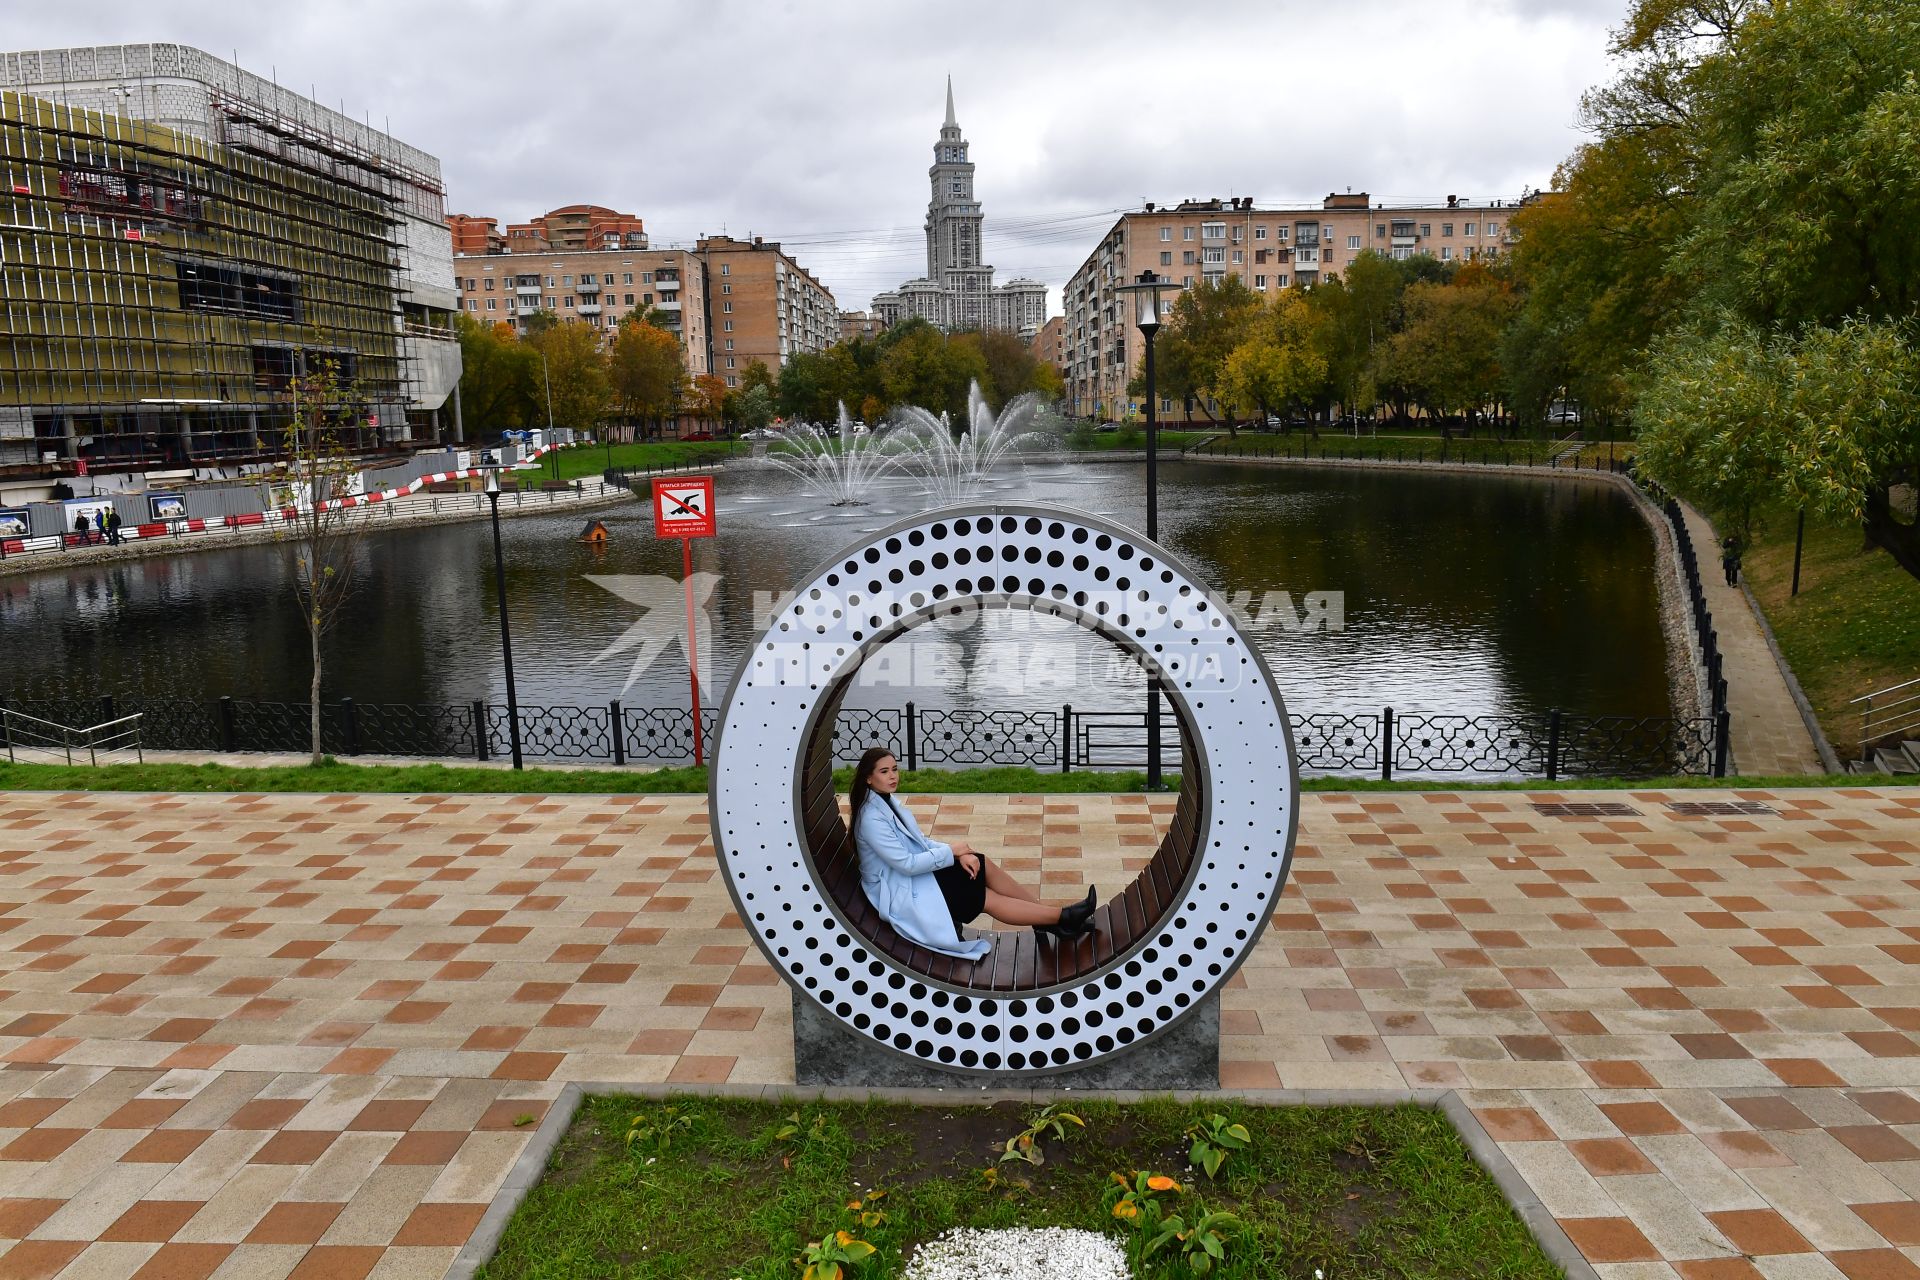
x,y
1587,809
1719,808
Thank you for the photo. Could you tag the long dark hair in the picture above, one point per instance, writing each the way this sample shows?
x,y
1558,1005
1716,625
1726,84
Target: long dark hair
x,y
857,793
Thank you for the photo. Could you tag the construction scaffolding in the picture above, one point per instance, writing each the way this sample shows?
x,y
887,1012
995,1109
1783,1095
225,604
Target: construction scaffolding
x,y
180,238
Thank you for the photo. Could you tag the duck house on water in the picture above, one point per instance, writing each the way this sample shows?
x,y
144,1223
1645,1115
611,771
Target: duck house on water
x,y
595,534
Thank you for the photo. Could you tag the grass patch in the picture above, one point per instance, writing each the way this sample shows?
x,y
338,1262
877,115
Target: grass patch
x,y
1849,631
1136,438
1351,1191
436,779
589,460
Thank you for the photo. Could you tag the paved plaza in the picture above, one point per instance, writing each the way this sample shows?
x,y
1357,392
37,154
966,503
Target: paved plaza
x,y
286,1035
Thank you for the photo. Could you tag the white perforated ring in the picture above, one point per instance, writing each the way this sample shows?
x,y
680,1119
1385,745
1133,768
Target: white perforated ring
x,y
1119,586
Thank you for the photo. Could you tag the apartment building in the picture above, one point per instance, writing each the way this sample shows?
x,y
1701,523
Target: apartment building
x,y
761,305
576,227
1050,344
598,287
180,239
1269,249
860,326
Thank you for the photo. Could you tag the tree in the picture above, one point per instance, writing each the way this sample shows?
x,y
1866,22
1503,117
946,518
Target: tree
x,y
1281,360
709,397
1449,351
757,374
647,374
1209,321
1358,314
1012,368
756,407
1826,419
928,369
499,374
807,387
576,373
328,408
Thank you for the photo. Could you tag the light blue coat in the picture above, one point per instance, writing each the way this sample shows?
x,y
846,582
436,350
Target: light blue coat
x,y
897,864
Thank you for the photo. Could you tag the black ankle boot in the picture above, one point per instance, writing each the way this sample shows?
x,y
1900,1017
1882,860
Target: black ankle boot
x,y
1074,919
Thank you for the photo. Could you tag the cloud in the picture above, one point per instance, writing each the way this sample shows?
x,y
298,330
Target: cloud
x,y
813,123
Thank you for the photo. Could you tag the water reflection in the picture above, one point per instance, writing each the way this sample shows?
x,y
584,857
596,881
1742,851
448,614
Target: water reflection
x,y
1461,593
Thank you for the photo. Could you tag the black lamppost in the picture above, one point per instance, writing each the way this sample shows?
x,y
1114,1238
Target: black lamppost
x,y
1148,293
506,637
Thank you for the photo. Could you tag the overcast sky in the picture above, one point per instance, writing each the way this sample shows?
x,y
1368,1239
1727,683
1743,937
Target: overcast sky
x,y
813,121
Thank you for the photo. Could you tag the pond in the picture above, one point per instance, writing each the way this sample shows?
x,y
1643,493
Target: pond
x,y
1490,595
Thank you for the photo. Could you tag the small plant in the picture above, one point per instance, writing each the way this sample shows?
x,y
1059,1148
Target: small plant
x,y
867,1210
1202,1246
823,1259
656,1129
1214,1139
1052,1122
799,1134
522,1120
1138,1200
1010,1185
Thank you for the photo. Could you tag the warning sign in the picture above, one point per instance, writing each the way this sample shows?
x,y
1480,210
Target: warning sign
x,y
683,507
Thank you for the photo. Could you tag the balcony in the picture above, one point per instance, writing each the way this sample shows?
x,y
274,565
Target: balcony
x,y
586,287
664,284
528,290
669,305
585,308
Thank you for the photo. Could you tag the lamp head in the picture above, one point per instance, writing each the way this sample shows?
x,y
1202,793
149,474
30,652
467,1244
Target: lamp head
x,y
492,485
1148,292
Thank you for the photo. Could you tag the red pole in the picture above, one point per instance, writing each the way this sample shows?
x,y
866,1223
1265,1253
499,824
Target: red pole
x,y
693,658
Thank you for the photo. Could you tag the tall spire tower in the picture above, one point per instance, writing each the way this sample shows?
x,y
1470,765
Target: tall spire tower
x,y
953,227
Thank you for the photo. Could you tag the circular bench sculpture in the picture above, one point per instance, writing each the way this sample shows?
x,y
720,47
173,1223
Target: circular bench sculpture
x,y
1161,948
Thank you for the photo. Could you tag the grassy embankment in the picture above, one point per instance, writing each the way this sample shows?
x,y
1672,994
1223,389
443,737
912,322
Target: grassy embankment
x,y
1854,627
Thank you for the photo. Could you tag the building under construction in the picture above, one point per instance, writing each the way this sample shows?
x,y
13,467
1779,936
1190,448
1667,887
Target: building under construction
x,y
179,241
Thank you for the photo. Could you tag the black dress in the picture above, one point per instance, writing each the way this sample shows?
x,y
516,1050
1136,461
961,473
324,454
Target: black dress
x,y
966,895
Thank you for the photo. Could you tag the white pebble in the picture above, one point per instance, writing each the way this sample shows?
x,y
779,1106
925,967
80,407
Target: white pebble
x,y
1019,1253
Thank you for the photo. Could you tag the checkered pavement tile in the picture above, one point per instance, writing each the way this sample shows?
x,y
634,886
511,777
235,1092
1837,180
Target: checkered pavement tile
x,y
274,1034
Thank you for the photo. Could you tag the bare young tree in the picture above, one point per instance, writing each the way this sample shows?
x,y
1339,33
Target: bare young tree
x,y
323,536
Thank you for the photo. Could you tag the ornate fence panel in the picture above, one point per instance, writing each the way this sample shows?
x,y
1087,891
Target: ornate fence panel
x,y
402,729
1469,744
1335,743
1629,746
858,728
968,736
658,735
555,733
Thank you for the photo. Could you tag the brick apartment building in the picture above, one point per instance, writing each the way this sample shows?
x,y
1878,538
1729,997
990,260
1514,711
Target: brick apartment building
x,y
861,325
729,302
1050,344
1269,249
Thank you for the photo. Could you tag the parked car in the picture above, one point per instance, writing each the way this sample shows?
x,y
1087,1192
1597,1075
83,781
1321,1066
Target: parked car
x,y
1108,426
1563,413
698,435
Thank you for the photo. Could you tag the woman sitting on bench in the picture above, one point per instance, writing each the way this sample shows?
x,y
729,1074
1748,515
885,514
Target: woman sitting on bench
x,y
928,890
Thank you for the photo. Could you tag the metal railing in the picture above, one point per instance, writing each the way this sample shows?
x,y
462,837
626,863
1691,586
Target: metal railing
x,y
1711,660
1888,713
1339,447
1390,742
20,733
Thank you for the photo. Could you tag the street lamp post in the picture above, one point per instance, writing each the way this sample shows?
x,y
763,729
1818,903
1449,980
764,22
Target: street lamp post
x,y
554,463
1148,292
506,636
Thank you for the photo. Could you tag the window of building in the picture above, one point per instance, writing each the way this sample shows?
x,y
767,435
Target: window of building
x,y
1493,228
469,282
1281,233
1166,233
1186,233
1469,228
549,302
1446,253
1186,282
646,277
1166,257
549,282
629,300
726,268
1186,257
1213,231
569,301
726,326
1353,242
490,304
1239,256
1259,282
727,288
647,299
1260,233
727,305
729,362
1446,229
1328,230
627,278
586,279
1468,253
1379,231
566,280
1213,255
1426,230
489,286
729,344
1281,281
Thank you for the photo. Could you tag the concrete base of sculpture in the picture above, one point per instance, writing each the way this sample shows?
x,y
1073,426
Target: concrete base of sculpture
x,y
1185,1056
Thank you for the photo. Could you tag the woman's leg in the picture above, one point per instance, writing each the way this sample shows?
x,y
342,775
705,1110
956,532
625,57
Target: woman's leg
x,y
999,881
1011,910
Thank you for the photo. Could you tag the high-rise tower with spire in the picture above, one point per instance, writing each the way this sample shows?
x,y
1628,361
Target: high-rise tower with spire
x,y
958,291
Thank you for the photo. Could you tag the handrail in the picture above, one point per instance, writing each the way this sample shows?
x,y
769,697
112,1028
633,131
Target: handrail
x,y
1880,719
51,736
1869,697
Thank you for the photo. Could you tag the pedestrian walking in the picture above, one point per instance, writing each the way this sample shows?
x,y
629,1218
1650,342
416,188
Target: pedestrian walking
x,y
1730,560
82,530
113,528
